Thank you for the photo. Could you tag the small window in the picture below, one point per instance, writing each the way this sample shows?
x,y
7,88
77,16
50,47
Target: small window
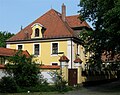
x,y
20,47
37,32
36,49
55,64
54,48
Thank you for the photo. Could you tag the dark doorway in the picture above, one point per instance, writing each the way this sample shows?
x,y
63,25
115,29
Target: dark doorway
x,y
72,77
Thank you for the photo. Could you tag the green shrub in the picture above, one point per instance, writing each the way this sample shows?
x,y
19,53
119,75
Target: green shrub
x,y
24,71
8,84
59,82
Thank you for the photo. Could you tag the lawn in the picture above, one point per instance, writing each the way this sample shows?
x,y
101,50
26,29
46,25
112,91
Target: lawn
x,y
35,93
105,89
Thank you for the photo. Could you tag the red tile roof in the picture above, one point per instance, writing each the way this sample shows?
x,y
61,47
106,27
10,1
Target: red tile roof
x,y
55,26
110,57
11,52
50,67
74,21
63,59
42,67
77,60
2,66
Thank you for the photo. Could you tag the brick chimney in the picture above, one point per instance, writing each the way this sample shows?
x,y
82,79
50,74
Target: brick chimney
x,y
63,12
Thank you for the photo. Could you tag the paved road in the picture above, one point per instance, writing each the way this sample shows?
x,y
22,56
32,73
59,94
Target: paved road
x,y
105,89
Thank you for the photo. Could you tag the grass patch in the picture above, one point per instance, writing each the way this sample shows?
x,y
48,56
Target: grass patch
x,y
34,93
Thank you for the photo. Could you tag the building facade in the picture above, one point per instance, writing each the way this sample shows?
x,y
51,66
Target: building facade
x,y
50,36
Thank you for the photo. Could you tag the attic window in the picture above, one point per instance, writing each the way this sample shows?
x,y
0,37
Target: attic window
x,y
37,32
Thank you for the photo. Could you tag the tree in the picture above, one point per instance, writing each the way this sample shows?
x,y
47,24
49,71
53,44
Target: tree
x,y
3,37
23,70
105,17
8,85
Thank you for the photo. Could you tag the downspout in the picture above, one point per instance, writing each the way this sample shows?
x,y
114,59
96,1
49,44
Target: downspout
x,y
71,53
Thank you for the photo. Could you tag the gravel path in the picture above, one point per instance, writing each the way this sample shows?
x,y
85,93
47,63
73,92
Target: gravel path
x,y
105,89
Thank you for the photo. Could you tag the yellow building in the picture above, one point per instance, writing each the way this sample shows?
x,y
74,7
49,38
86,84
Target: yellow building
x,y
49,35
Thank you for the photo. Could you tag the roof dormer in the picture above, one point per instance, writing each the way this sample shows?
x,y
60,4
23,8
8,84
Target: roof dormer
x,y
37,30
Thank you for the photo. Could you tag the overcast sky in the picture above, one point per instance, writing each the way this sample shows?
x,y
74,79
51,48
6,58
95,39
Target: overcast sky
x,y
14,13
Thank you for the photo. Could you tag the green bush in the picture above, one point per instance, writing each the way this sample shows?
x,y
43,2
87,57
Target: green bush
x,y
24,71
8,84
26,74
59,82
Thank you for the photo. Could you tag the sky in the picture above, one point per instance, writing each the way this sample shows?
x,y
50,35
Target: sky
x,y
17,13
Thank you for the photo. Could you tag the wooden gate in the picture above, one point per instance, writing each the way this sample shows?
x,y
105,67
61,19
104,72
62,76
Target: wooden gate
x,y
72,77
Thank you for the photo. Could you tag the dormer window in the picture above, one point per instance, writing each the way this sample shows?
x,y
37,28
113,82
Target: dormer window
x,y
37,32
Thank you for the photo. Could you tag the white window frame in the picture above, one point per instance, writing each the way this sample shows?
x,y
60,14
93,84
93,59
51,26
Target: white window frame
x,y
18,45
51,48
8,45
39,49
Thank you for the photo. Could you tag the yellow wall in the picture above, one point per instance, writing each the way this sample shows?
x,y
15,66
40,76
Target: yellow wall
x,y
45,56
80,50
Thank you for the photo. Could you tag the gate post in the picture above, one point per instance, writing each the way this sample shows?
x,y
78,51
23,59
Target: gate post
x,y
77,63
64,67
79,74
65,72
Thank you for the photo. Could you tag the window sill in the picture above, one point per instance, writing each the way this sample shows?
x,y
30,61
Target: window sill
x,y
37,55
54,54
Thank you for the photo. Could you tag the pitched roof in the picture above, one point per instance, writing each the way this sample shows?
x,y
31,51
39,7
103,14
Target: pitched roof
x,y
63,59
78,60
74,21
11,52
55,26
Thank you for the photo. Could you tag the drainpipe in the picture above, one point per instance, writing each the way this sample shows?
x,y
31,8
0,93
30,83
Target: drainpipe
x,y
71,53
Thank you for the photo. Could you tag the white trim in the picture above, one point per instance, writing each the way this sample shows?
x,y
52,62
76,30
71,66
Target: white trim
x,y
35,24
69,52
7,45
38,40
79,49
51,49
39,49
20,44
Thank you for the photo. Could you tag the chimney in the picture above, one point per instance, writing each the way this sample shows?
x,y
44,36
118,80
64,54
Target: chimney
x,y
63,12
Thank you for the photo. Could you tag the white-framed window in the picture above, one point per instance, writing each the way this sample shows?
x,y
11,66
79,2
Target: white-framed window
x,y
54,48
20,46
36,49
